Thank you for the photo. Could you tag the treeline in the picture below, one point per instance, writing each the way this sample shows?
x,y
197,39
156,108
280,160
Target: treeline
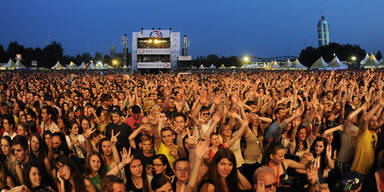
x,y
344,52
49,55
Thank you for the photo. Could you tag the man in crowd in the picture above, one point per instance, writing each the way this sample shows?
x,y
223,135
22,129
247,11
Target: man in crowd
x,y
117,126
48,123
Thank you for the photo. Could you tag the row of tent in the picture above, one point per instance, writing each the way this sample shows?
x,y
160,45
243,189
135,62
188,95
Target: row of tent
x,y
371,61
368,62
12,65
72,65
58,66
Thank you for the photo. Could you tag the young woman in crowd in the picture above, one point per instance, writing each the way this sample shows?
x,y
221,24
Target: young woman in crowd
x,y
39,151
33,179
109,153
94,169
222,174
76,141
104,120
161,167
10,159
137,179
323,161
274,157
69,178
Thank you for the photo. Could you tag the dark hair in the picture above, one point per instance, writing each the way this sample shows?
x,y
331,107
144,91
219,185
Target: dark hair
x,y
3,175
108,181
136,109
297,139
144,177
63,149
10,119
43,149
78,178
82,118
232,179
22,141
105,97
51,112
9,140
26,172
46,132
166,129
178,114
159,181
88,169
272,149
164,161
323,159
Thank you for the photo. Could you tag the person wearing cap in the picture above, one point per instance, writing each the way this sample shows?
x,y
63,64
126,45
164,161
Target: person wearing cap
x,y
119,127
352,182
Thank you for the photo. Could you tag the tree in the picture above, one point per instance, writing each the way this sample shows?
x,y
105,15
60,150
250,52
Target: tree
x,y
308,56
52,53
98,57
13,49
107,59
3,58
378,55
211,59
86,57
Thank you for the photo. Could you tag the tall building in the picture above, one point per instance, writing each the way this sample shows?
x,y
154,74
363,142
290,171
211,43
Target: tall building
x,y
323,31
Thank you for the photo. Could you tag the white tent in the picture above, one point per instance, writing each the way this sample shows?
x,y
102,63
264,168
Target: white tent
x,y
222,66
275,66
2,66
336,64
296,65
91,66
19,65
201,67
71,65
212,67
286,64
371,62
10,65
365,59
99,65
58,66
319,64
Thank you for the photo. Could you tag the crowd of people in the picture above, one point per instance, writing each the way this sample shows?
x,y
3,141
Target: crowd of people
x,y
230,131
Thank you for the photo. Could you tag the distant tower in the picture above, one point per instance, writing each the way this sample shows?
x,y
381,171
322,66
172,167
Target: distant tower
x,y
323,30
112,51
186,43
124,44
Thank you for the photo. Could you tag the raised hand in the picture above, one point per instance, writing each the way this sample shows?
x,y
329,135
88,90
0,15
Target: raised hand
x,y
114,137
87,132
312,175
260,187
216,117
192,139
126,157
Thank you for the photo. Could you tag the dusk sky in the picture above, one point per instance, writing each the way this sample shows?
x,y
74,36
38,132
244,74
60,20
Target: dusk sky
x,y
263,28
